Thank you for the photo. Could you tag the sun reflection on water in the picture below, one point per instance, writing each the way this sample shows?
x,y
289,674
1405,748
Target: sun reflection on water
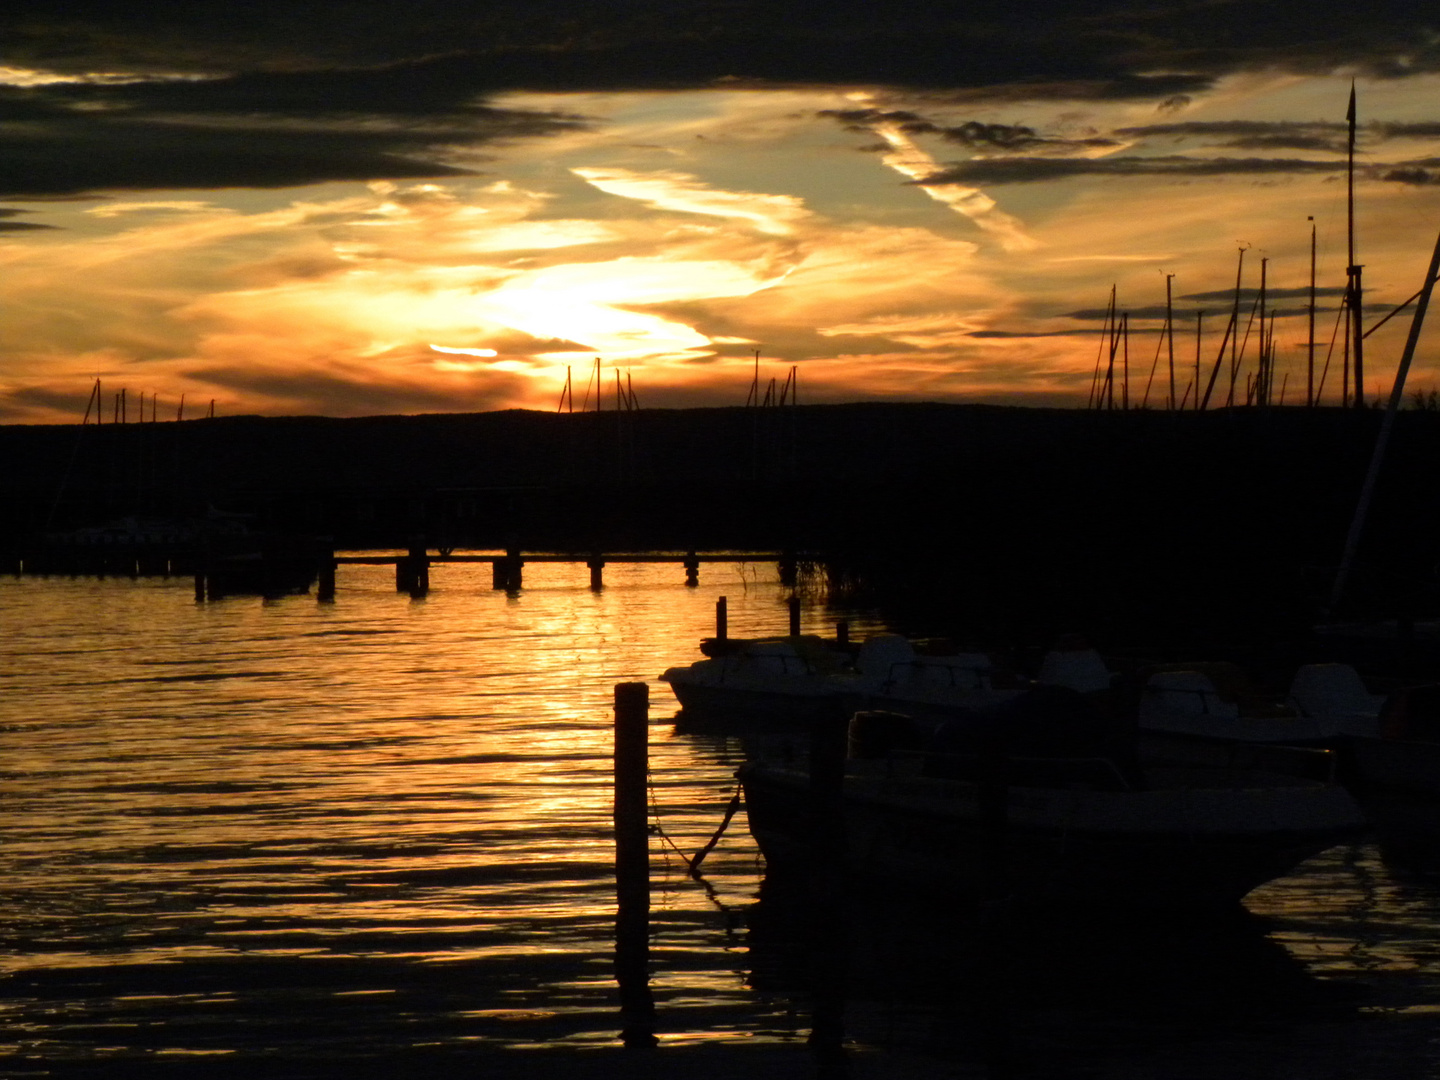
x,y
197,793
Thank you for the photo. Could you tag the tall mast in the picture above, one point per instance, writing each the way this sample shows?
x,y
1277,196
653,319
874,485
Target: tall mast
x,y
1110,366
1125,340
1235,328
1170,334
1262,378
1199,318
1310,348
1352,268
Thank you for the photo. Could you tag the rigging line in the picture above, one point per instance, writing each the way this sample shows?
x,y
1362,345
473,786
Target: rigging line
x,y
586,403
1320,387
1159,344
1240,356
1392,314
658,828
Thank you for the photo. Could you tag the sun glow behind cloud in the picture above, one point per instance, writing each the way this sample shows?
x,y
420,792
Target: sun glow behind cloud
x,y
668,237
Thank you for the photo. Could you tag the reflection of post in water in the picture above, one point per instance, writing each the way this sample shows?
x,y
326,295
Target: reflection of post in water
x,y
632,865
992,956
827,889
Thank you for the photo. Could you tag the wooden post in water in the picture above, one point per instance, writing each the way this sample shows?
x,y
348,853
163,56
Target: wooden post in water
x,y
721,620
842,633
404,575
794,605
632,864
512,557
692,570
419,570
597,572
788,568
829,737
325,585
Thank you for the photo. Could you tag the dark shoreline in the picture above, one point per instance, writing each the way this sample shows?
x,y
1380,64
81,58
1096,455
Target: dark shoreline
x,y
980,520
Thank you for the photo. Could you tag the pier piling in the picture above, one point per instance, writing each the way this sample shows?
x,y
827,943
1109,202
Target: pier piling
x,y
721,620
325,578
597,572
829,739
692,570
789,569
632,864
419,571
794,605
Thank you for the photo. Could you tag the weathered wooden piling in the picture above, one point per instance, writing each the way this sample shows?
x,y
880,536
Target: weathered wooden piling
x,y
419,571
842,633
404,575
506,571
325,578
794,605
829,742
721,620
199,585
789,569
692,570
597,572
632,864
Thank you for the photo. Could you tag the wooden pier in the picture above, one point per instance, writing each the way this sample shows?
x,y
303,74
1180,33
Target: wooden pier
x,y
283,570
412,570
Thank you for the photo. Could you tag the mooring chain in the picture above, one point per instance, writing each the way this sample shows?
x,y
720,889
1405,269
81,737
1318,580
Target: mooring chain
x,y
692,863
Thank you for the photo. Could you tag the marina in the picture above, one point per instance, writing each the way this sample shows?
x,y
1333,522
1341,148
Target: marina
x,y
300,839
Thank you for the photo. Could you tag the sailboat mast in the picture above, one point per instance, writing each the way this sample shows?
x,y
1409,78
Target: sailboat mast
x,y
1352,268
1199,318
1170,335
1310,347
1125,360
1262,377
1235,329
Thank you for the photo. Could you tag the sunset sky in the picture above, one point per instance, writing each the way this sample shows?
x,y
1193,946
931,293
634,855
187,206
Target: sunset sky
x,y
344,209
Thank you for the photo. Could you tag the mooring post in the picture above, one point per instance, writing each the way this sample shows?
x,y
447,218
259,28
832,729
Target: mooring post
x,y
829,738
512,556
419,570
597,572
325,573
721,620
632,864
499,574
842,633
789,570
199,584
404,574
794,604
692,570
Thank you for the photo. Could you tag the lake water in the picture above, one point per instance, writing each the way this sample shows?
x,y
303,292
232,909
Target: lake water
x,y
274,836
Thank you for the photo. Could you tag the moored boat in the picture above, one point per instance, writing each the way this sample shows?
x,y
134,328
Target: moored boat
x,y
1079,826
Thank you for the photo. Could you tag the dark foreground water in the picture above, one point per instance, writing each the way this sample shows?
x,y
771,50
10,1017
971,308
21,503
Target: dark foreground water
x,y
372,838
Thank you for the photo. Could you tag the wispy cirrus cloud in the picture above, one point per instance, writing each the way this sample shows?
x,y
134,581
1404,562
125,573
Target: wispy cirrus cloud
x,y
683,193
